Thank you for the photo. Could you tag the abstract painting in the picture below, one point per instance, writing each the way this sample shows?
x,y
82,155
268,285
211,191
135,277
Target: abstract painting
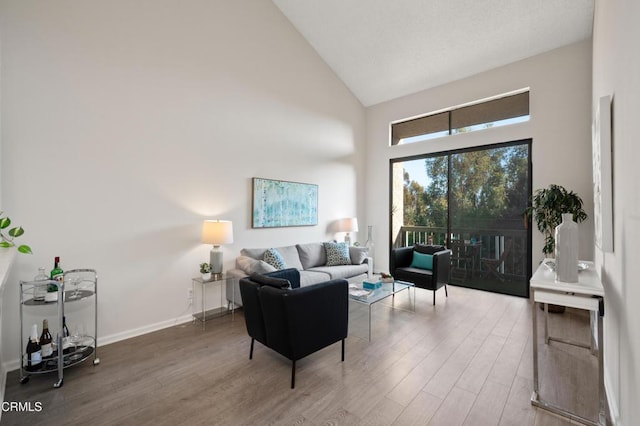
x,y
602,176
278,203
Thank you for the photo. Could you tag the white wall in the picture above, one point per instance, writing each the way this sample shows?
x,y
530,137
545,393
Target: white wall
x,y
560,126
616,72
125,124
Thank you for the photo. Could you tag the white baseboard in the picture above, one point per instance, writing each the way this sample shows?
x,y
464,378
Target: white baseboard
x,y
614,412
14,364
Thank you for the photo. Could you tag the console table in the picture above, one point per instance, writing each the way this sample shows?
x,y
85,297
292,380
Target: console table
x,y
587,294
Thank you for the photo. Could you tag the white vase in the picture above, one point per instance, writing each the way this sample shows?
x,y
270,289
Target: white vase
x,y
206,276
567,250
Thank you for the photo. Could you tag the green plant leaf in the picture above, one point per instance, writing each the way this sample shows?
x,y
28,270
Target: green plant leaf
x,y
5,222
5,244
16,232
25,249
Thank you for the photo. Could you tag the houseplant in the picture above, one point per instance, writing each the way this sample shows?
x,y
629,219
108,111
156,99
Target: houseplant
x,y
6,240
205,270
547,207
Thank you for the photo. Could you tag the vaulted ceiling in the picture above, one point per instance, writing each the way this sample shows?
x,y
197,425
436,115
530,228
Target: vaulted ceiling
x,y
384,49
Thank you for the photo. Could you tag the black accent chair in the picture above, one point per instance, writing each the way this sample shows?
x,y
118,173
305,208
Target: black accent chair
x,y
292,320
400,265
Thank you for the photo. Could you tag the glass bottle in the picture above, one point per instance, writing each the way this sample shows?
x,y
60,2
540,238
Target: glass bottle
x,y
39,291
370,245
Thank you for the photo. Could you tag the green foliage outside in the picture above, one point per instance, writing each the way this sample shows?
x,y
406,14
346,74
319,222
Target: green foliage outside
x,y
488,187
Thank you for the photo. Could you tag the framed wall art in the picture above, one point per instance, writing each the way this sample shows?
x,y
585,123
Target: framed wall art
x,y
277,203
603,175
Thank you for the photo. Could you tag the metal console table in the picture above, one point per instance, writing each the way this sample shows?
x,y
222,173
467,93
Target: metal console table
x,y
587,294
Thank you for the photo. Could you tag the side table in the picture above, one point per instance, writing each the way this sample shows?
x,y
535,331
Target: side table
x,y
217,280
587,294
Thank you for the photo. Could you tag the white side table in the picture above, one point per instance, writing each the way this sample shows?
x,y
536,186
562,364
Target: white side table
x,y
217,280
587,294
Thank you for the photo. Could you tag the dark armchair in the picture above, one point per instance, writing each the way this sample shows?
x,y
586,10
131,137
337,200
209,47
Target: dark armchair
x,y
294,321
404,268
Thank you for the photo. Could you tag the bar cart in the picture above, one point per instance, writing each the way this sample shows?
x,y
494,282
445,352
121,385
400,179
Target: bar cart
x,y
79,289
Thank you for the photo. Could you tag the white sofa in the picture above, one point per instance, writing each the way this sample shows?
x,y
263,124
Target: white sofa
x,y
310,259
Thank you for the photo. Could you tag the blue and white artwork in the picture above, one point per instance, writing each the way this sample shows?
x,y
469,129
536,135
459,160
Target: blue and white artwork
x,y
278,203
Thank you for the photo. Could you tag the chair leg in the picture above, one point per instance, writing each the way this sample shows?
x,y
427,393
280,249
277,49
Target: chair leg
x,y
251,351
446,293
434,298
342,350
293,374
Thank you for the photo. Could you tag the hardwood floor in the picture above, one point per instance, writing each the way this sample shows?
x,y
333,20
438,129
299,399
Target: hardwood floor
x,y
466,361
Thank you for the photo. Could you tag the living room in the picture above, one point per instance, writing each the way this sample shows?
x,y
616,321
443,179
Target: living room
x,y
125,124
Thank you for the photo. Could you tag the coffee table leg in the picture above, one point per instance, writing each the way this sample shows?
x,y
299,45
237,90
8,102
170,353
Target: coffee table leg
x,y
370,321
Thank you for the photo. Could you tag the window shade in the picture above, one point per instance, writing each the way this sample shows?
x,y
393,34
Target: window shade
x,y
419,126
490,111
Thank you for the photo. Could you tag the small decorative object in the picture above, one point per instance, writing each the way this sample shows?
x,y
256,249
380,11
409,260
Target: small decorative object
x,y
278,203
6,240
217,232
369,244
386,277
205,270
371,285
567,250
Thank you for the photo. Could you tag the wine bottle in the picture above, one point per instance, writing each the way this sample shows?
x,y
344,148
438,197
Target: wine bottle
x,y
40,290
65,334
57,274
46,340
34,351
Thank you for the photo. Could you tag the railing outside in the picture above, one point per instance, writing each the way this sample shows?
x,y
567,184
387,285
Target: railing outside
x,y
492,243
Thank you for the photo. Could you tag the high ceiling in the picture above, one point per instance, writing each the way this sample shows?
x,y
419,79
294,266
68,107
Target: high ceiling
x,y
384,49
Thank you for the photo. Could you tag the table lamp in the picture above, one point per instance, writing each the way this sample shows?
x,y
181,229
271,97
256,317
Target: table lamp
x,y
348,225
217,232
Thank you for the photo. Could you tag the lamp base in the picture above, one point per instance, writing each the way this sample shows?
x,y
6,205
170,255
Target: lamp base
x,y
215,258
347,239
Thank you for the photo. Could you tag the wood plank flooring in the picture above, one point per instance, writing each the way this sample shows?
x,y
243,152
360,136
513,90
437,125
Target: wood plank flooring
x,y
466,361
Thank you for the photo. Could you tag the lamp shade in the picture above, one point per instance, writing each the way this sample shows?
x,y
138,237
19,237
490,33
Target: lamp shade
x,y
217,232
349,224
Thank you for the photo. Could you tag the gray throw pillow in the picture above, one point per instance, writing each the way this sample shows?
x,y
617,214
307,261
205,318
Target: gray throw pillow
x,y
249,265
358,254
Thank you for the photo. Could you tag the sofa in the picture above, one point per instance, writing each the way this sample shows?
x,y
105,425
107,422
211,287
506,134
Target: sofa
x,y
292,320
427,266
316,263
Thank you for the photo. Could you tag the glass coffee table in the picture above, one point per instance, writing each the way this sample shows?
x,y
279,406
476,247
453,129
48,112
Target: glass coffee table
x,y
371,297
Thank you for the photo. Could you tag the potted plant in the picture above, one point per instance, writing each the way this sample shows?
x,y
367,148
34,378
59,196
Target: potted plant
x,y
547,207
6,240
205,270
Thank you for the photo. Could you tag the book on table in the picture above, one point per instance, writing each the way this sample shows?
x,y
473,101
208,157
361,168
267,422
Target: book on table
x,y
359,292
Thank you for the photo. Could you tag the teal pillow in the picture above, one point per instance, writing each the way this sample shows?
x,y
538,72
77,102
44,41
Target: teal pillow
x,y
422,261
275,259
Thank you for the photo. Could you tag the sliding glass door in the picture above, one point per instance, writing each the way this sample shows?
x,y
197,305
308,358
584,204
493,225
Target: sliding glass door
x,y
472,202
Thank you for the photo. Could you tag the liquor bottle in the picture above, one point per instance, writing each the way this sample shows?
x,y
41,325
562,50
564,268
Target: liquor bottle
x,y
34,351
46,340
40,291
65,334
57,274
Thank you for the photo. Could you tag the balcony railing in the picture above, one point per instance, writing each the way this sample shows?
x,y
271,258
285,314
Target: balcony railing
x,y
488,243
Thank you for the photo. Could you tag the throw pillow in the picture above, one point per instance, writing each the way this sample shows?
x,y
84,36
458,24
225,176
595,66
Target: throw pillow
x,y
422,261
275,259
270,281
337,254
248,265
358,254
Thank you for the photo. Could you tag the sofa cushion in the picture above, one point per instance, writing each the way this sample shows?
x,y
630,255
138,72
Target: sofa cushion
x,y
312,254
422,261
427,249
358,254
342,271
275,259
249,265
337,254
313,277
